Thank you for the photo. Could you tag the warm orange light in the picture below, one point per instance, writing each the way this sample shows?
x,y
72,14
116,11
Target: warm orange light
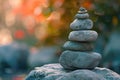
x,y
19,34
87,4
33,8
5,37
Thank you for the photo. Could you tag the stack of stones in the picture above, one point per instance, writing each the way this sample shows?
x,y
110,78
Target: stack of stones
x,y
78,54
78,62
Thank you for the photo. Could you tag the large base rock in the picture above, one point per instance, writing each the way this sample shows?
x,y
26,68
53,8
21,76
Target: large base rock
x,y
81,75
57,72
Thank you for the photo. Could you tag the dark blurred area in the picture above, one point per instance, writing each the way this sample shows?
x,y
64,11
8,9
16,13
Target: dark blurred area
x,y
32,33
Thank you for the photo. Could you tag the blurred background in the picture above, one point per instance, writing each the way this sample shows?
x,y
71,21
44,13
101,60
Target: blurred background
x,y
32,33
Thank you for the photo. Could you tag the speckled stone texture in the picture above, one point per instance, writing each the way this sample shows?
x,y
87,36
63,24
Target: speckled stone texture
x,y
79,24
77,46
82,75
57,72
79,60
82,16
83,36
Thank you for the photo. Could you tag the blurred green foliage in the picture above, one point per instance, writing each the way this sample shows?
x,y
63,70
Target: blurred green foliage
x,y
46,22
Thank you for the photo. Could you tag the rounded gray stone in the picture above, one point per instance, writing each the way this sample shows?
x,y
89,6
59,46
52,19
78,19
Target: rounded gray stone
x,y
78,24
78,46
82,75
83,35
82,16
77,60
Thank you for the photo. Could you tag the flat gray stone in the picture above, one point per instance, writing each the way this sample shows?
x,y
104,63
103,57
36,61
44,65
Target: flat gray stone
x,y
57,72
79,60
79,24
82,75
83,35
78,46
82,16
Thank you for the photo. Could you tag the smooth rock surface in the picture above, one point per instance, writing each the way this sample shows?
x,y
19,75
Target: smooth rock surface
x,y
77,60
82,75
56,72
83,35
78,46
82,16
78,24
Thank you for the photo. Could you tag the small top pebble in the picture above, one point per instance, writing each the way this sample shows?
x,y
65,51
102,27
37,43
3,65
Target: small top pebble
x,y
82,10
82,14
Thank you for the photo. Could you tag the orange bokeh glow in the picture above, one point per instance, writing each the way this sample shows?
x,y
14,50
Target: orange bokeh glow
x,y
87,4
30,7
19,34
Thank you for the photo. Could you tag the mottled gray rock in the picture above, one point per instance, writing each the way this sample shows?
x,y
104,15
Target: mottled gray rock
x,y
107,73
77,60
78,24
72,45
82,75
47,72
83,35
56,72
82,16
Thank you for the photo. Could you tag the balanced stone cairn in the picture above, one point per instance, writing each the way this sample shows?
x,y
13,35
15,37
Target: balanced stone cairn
x,y
78,54
78,61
